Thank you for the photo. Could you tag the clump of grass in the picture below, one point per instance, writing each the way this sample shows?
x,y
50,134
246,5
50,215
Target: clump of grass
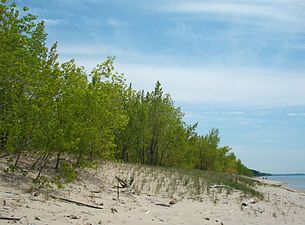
x,y
241,183
169,178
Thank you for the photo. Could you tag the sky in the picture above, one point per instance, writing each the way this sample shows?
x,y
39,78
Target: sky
x,y
235,65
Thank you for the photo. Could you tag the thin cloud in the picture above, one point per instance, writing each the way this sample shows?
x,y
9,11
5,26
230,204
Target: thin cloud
x,y
97,52
295,114
270,13
54,22
252,9
87,49
116,23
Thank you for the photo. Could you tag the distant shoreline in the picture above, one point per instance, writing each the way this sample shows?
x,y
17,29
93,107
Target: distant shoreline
x,y
280,174
290,185
288,174
263,174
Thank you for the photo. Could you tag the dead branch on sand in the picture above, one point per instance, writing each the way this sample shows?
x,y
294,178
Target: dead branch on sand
x,y
75,202
9,218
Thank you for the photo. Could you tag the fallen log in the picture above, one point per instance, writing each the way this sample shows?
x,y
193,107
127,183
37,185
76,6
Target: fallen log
x,y
75,202
9,218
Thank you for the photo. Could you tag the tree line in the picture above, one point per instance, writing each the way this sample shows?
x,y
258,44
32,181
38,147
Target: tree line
x,y
59,114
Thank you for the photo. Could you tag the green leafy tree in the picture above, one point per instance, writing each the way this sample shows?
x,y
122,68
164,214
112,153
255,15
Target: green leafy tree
x,y
56,112
27,73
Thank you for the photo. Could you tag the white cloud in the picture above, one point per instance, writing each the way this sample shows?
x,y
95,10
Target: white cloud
x,y
216,86
54,22
202,85
295,114
89,55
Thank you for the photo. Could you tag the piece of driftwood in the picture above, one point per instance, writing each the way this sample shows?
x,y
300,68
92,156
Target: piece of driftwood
x,y
252,201
113,210
220,186
9,218
162,204
118,190
76,202
160,219
173,201
121,182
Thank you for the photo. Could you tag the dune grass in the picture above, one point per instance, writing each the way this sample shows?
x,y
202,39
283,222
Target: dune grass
x,y
196,181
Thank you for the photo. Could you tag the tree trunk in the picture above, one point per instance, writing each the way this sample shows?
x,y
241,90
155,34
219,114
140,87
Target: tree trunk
x,y
44,162
78,159
3,141
151,153
33,166
17,159
156,152
57,161
124,153
163,152
142,155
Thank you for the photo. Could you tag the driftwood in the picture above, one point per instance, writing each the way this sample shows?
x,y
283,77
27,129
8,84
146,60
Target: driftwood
x,y
76,202
220,186
121,182
118,190
252,201
9,218
162,204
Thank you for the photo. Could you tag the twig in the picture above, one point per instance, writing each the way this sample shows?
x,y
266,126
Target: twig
x,y
162,204
88,213
75,202
5,155
160,219
118,190
9,218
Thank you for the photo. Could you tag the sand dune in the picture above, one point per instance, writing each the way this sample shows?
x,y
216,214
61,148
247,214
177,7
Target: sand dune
x,y
145,202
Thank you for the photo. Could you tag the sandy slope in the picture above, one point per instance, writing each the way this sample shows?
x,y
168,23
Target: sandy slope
x,y
140,204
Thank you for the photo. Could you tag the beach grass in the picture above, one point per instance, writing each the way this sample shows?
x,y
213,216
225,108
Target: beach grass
x,y
197,182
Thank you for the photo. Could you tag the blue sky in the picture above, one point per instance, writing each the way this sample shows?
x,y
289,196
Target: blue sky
x,y
235,65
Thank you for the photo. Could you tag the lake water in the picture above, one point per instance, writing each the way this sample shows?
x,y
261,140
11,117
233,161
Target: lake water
x,y
293,181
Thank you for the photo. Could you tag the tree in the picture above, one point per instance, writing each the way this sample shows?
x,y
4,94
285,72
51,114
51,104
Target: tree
x,y
56,112
27,71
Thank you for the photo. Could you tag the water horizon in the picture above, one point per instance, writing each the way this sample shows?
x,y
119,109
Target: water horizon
x,y
292,181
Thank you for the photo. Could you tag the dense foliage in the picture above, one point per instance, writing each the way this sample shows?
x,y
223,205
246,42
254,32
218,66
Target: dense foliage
x,y
59,114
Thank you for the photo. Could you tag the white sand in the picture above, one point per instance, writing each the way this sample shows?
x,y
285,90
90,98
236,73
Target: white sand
x,y
280,206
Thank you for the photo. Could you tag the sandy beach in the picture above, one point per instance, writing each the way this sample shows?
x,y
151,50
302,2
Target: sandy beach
x,y
93,199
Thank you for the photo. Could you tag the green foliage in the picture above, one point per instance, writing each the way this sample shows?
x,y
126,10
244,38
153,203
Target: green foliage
x,y
54,110
41,182
10,169
68,172
236,182
44,182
